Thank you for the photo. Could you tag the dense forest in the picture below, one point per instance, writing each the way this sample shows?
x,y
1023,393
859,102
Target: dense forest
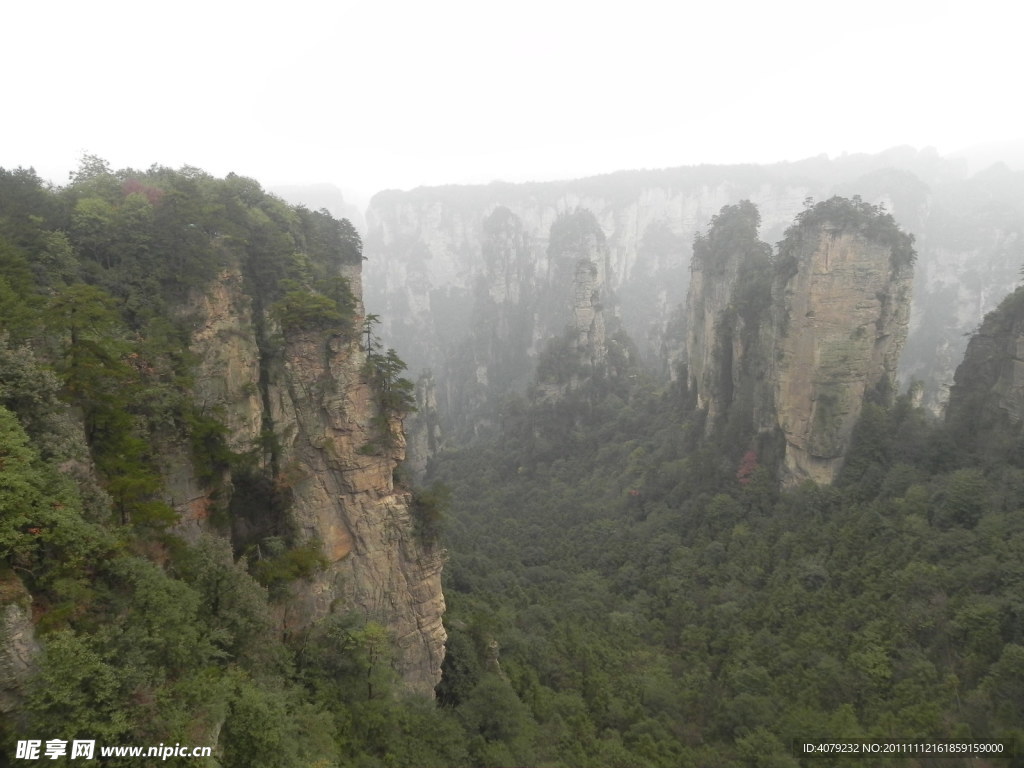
x,y
139,634
623,590
653,599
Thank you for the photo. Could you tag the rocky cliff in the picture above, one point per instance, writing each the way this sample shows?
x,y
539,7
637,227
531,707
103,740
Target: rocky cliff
x,y
799,341
841,305
300,403
988,394
722,345
445,260
575,299
18,646
428,255
202,517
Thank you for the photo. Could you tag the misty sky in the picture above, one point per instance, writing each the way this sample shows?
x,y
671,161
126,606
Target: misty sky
x,y
380,94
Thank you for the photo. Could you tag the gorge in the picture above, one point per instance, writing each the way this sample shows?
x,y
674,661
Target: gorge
x,y
683,506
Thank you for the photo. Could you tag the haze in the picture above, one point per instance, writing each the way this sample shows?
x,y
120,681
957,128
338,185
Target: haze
x,y
400,94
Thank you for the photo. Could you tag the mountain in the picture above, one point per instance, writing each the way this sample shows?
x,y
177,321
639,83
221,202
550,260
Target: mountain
x,y
986,403
204,530
799,340
772,548
432,271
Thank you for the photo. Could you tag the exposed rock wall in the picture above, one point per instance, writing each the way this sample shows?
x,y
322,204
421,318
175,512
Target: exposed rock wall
x,y
989,384
427,246
721,323
588,315
797,341
300,402
578,249
429,251
841,321
590,346
18,645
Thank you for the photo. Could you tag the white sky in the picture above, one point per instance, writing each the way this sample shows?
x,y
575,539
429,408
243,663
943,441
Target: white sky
x,y
395,94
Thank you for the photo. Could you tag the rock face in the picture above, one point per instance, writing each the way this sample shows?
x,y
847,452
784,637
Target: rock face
x,y
722,314
798,341
989,384
591,349
465,282
840,324
577,247
428,256
18,645
587,315
322,474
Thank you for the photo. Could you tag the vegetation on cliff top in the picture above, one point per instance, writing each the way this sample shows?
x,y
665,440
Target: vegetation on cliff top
x,y
623,592
652,599
851,216
147,639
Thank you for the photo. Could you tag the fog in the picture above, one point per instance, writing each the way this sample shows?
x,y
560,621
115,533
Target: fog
x,y
399,94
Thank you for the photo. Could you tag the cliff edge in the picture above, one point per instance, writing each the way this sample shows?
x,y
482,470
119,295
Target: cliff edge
x,y
800,340
299,399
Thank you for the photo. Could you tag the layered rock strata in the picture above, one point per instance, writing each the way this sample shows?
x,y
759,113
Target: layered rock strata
x,y
302,403
840,323
799,340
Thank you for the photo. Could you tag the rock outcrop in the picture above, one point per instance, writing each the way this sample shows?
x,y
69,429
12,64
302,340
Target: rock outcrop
x,y
799,341
840,314
323,453
18,645
591,347
427,251
577,249
722,312
988,393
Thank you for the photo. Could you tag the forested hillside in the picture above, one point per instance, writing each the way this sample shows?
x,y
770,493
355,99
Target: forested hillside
x,y
193,412
441,258
624,593
627,583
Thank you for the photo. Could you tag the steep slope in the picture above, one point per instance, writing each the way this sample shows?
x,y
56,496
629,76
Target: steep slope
x,y
427,248
798,342
193,355
729,291
986,403
840,313
306,392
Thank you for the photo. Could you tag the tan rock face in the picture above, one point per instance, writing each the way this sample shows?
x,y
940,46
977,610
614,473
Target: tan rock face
x,y
841,323
309,389
347,500
799,339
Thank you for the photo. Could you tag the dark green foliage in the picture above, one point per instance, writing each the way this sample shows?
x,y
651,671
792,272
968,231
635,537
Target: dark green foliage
x,y
275,565
574,235
147,639
78,693
429,506
559,361
977,414
394,395
732,246
732,235
331,306
302,311
622,591
207,435
849,216
642,589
